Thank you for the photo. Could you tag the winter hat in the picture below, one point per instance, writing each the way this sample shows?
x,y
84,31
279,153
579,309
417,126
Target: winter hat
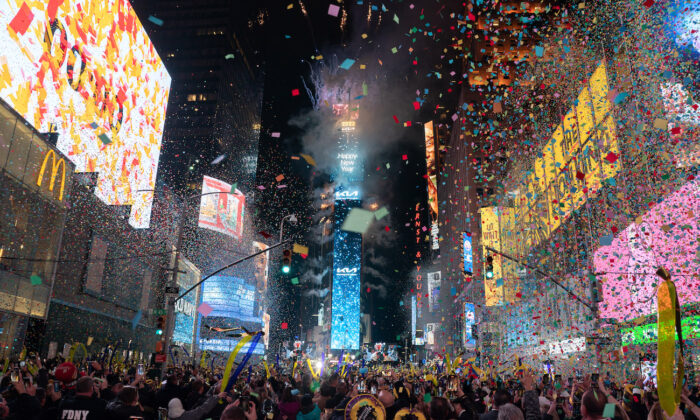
x,y
66,372
175,409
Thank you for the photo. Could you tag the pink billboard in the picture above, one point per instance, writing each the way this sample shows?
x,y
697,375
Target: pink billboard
x,y
667,235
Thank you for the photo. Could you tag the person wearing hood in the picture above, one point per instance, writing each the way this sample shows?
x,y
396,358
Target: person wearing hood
x,y
309,409
177,412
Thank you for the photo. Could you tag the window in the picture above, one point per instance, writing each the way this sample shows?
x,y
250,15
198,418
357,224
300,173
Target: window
x,y
191,97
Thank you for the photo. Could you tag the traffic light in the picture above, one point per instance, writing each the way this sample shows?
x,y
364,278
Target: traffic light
x,y
286,261
489,267
160,325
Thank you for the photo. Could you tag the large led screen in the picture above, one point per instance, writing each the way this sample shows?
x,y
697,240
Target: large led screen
x,y
431,167
469,321
467,257
491,237
668,235
87,70
233,304
345,306
649,333
186,308
222,207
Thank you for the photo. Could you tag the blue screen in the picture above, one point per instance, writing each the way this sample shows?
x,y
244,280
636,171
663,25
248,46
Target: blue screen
x,y
233,304
347,248
469,320
467,253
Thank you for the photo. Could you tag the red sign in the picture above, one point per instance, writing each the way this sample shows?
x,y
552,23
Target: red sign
x,y
160,358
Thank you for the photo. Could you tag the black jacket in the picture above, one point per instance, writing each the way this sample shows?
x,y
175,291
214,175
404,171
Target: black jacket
x,y
116,410
79,407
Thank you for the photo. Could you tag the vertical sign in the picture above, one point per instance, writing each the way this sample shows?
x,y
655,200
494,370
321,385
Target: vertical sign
x,y
434,280
490,236
431,167
469,321
413,319
467,257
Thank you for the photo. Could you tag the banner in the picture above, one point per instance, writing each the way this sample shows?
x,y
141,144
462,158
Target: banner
x,y
222,208
431,166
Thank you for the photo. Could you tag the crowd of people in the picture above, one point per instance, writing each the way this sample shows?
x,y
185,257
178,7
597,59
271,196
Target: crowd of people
x,y
56,389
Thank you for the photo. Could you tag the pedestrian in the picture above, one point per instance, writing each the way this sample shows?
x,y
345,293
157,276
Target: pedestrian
x,y
84,404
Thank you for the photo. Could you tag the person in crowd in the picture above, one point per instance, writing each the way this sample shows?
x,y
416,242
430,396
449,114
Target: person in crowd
x,y
177,412
290,405
127,406
84,404
500,397
309,410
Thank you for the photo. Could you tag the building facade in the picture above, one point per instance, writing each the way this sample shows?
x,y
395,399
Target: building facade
x,y
36,183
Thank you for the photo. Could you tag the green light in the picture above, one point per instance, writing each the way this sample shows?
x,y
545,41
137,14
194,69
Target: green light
x,y
489,274
159,332
285,269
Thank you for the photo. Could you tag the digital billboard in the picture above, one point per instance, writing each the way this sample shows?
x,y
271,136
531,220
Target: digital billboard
x,y
467,256
222,208
186,308
490,236
469,322
413,319
666,235
233,304
648,333
87,70
345,305
434,281
431,166
582,152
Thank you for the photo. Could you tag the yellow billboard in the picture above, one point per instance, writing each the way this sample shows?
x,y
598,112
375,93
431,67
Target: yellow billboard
x,y
431,166
87,70
582,152
491,237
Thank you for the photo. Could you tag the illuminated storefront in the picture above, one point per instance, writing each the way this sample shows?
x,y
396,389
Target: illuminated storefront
x,y
186,308
35,187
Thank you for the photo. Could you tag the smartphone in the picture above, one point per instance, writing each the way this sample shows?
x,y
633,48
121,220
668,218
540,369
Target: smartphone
x,y
56,387
374,389
417,390
557,378
14,375
22,363
594,379
571,381
140,370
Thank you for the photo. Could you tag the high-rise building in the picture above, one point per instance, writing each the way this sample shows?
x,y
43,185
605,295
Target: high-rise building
x,y
214,53
347,246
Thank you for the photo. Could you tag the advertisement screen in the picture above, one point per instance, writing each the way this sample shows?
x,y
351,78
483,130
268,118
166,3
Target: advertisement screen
x,y
87,70
221,209
413,319
667,235
469,321
434,280
345,309
467,257
232,301
490,236
186,308
581,153
431,167
648,333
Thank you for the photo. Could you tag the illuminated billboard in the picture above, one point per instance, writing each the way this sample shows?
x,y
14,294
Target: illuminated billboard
x,y
469,322
87,70
431,167
222,208
467,257
667,235
490,236
345,306
413,319
582,152
434,281
186,308
648,333
233,304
